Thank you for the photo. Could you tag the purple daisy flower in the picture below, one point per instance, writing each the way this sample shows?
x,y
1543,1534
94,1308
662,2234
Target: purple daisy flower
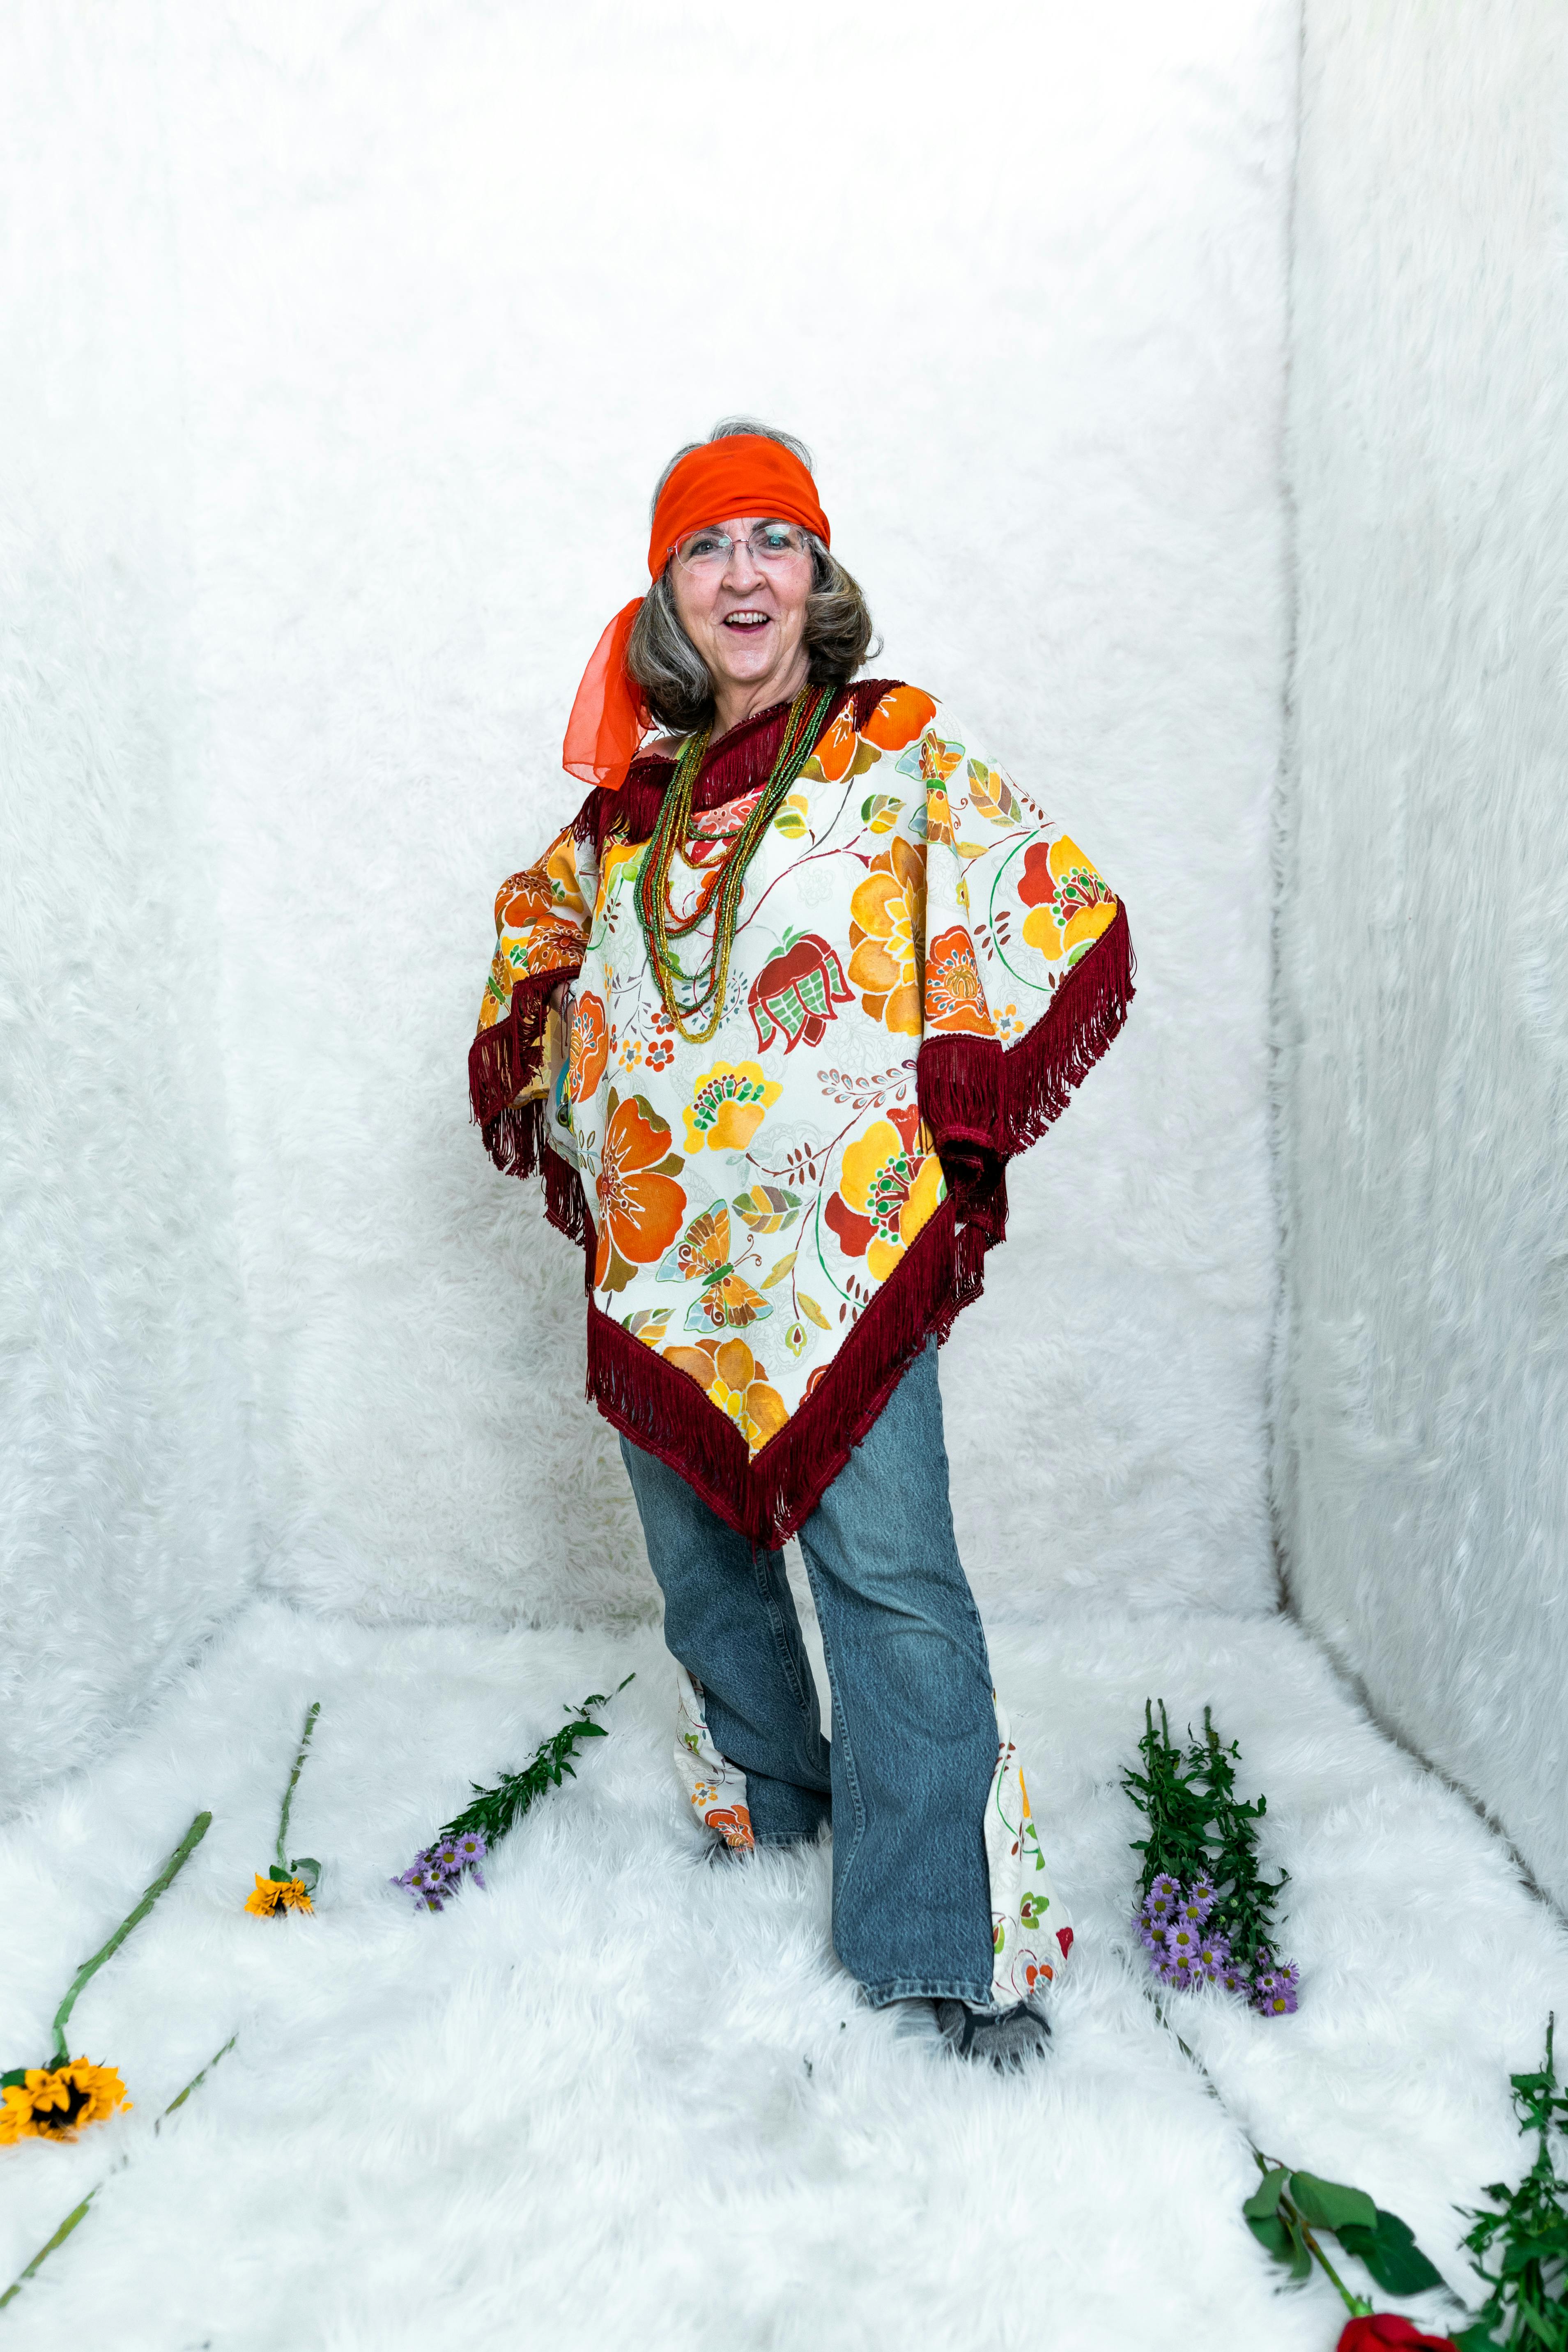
x,y
472,1849
446,1857
1274,1994
1233,1977
1213,1953
1183,1969
1202,1893
1169,1889
1182,1941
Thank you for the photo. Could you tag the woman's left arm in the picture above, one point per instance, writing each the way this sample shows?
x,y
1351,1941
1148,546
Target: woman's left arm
x,y
1027,971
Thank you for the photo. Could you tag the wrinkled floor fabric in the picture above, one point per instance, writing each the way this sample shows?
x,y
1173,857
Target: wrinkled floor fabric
x,y
626,2099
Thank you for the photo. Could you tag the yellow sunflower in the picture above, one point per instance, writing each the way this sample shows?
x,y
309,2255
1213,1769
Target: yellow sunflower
x,y
59,2102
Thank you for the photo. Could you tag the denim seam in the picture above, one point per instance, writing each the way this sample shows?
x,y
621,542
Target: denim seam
x,y
762,1570
976,1996
842,1744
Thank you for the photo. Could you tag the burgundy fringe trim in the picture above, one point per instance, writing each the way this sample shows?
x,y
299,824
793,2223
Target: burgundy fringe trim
x,y
564,1205
769,1496
984,1104
501,1062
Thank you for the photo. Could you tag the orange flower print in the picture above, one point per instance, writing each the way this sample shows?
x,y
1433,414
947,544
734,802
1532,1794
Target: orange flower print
x,y
956,999
899,717
840,753
738,1384
640,1204
1069,904
544,904
734,1824
589,1052
890,1182
887,940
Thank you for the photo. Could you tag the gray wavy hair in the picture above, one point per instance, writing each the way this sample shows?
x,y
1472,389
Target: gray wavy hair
x,y
668,667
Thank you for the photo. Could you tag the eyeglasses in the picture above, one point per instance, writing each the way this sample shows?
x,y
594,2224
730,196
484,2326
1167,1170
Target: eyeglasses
x,y
771,544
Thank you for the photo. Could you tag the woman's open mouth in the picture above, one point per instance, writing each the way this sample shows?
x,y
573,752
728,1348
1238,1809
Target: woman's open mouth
x,y
748,617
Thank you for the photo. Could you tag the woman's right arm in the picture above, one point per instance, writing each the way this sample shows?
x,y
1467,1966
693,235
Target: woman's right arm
x,y
541,928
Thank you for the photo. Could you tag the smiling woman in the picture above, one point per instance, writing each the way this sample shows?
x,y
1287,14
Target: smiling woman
x,y
775,1245
753,602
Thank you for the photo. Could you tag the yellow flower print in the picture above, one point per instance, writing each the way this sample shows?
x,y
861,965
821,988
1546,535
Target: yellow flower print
x,y
1069,904
738,1384
887,935
728,1105
890,1182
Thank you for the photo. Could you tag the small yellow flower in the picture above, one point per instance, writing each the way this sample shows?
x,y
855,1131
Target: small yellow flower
x,y
272,1895
59,2102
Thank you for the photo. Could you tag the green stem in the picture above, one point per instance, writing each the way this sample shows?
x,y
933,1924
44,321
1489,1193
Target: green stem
x,y
195,2081
1354,2304
293,1782
62,2234
76,2211
165,1878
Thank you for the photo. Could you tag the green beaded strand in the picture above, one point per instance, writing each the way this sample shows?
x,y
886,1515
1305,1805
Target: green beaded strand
x,y
660,927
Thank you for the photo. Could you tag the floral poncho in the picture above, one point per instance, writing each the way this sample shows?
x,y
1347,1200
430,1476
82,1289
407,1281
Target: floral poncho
x,y
925,965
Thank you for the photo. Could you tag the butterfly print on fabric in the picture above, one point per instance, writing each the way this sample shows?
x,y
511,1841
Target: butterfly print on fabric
x,y
727,1301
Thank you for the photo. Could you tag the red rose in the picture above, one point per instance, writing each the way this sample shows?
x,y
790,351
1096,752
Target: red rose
x,y
1390,2327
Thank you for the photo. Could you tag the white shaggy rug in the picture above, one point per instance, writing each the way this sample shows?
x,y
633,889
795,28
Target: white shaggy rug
x,y
625,2098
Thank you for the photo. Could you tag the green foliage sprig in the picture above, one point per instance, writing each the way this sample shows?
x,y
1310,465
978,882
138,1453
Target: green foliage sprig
x,y
1199,1828
496,1810
1520,2247
458,1851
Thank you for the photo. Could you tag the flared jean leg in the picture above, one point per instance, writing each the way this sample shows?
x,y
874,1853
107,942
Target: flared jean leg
x,y
914,1722
730,1618
914,1726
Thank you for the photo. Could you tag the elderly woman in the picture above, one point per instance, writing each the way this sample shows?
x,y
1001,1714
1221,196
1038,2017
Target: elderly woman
x,y
772,1015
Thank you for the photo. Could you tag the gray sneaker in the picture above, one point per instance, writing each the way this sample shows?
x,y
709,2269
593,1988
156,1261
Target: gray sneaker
x,y
1000,2037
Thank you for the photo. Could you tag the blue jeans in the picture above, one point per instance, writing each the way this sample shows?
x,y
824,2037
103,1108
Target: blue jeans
x,y
905,1779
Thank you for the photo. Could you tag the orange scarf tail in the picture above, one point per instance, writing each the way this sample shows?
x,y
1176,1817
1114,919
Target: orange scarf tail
x,y
607,718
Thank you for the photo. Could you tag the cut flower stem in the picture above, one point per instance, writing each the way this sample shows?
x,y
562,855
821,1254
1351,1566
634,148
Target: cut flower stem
x,y
89,1968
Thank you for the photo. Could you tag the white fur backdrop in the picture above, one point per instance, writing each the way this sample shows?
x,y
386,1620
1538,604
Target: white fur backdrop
x,y
126,1515
350,336
1424,992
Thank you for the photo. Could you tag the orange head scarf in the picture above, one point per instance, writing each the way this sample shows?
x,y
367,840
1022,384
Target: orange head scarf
x,y
745,474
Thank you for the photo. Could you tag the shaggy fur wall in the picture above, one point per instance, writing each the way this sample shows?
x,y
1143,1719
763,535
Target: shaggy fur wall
x,y
457,280
126,1521
1424,926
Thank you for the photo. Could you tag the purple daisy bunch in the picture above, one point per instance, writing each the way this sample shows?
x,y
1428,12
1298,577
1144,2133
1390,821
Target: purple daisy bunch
x,y
437,1870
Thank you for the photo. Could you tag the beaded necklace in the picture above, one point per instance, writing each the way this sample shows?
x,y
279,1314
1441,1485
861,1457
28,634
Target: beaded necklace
x,y
660,925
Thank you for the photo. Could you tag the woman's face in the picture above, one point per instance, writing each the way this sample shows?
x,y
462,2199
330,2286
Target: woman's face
x,y
747,618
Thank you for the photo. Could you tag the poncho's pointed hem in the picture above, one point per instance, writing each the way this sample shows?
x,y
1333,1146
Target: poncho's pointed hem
x,y
767,1497
984,1105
